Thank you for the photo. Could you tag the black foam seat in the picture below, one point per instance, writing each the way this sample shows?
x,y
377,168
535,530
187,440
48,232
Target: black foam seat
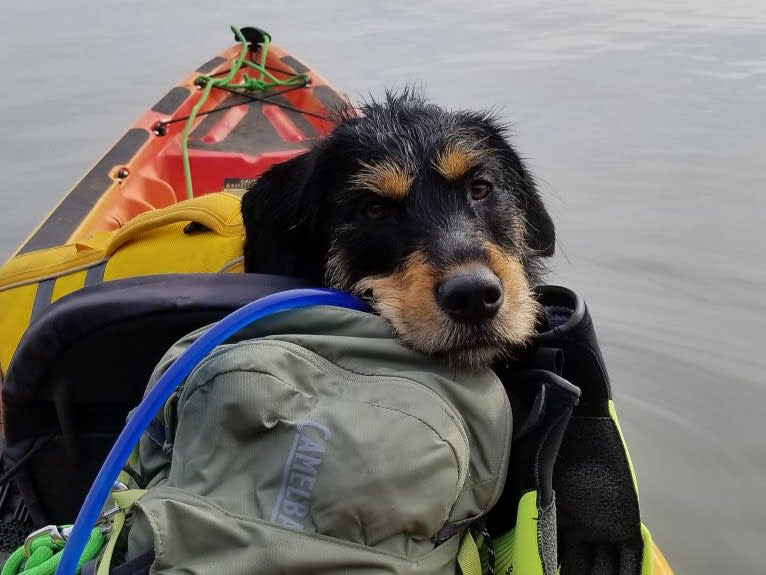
x,y
83,365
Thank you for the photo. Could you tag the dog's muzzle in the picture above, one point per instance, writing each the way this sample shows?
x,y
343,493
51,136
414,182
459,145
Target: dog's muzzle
x,y
470,296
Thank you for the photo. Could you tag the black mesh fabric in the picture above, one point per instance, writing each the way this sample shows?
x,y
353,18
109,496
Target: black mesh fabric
x,y
598,516
12,536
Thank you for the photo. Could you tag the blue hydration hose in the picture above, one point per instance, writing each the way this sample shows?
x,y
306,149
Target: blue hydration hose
x,y
166,384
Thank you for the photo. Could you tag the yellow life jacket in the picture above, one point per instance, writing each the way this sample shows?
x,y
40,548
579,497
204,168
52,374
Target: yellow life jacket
x,y
204,234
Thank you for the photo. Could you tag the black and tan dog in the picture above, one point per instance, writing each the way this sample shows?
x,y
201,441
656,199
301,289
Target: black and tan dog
x,y
428,213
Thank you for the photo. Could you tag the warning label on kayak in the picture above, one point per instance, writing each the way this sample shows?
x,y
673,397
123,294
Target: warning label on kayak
x,y
238,184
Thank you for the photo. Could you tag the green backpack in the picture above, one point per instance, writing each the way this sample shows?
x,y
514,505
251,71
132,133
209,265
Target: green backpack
x,y
315,442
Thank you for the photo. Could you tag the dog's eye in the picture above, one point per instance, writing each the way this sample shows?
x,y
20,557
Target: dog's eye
x,y
375,210
480,189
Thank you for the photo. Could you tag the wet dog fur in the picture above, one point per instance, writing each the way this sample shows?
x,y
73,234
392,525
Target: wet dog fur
x,y
430,214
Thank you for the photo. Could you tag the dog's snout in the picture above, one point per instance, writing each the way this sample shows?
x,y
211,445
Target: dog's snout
x,y
471,297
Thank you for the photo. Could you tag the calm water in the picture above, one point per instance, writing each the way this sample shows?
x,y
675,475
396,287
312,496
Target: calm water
x,y
645,124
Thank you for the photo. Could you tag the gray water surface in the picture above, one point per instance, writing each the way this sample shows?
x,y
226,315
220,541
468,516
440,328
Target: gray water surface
x,y
644,122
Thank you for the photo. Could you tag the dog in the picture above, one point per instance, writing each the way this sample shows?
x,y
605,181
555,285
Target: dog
x,y
429,214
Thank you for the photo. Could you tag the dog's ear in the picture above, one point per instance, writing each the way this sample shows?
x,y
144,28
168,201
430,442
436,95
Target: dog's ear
x,y
541,233
280,213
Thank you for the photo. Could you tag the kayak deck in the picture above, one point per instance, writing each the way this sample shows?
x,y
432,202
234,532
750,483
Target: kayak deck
x,y
234,138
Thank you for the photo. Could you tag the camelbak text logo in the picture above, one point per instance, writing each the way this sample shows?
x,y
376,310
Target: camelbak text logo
x,y
300,474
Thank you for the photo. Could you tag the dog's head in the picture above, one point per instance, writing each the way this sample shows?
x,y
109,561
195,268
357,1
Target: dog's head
x,y
428,213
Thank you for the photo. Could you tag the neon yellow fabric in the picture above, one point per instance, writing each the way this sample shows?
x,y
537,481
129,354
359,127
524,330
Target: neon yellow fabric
x,y
518,550
151,243
124,500
468,558
647,561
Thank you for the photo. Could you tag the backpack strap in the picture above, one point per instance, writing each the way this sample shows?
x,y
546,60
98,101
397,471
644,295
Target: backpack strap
x,y
468,557
124,501
525,516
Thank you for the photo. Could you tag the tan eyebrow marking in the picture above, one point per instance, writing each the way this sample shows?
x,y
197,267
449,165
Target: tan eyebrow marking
x,y
385,178
458,157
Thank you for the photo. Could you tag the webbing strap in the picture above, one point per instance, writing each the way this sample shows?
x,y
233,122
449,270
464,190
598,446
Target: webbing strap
x,y
124,501
468,558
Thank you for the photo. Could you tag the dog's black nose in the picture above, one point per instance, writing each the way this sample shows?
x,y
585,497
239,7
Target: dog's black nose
x,y
471,297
